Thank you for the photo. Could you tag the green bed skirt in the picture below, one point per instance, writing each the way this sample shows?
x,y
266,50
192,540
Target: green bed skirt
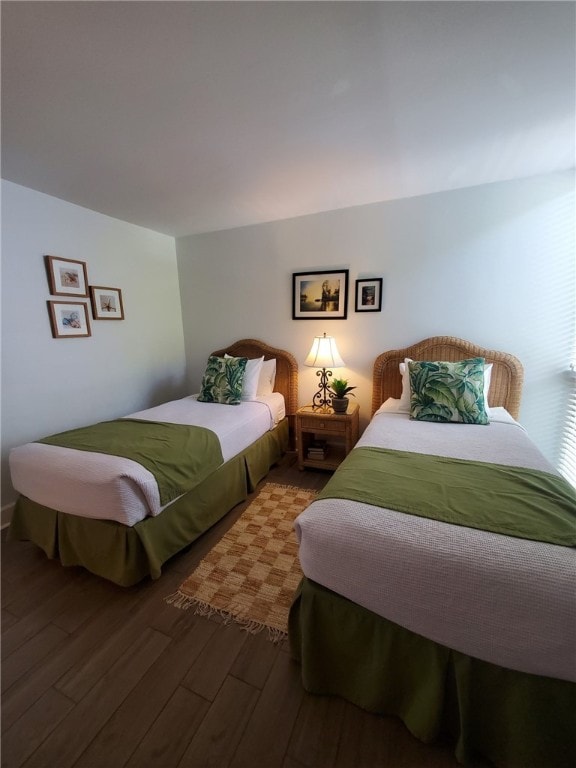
x,y
127,554
511,718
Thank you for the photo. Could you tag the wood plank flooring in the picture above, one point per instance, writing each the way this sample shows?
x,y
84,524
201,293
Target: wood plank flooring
x,y
98,676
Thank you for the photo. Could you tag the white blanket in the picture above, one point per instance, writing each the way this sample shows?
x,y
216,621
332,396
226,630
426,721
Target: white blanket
x,y
508,601
114,488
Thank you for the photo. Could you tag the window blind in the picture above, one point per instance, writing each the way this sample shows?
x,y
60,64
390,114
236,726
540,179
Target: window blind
x,y
567,463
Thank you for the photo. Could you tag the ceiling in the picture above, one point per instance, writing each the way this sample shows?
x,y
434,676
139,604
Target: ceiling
x,y
189,117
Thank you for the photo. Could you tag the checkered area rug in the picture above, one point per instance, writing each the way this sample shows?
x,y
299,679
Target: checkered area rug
x,y
251,575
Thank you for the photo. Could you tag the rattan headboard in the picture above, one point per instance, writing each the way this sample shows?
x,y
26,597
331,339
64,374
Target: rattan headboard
x,y
286,367
505,384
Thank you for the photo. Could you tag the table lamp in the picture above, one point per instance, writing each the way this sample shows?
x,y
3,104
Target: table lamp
x,y
323,355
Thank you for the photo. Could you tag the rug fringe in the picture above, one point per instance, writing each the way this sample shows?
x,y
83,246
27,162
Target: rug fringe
x,y
185,602
288,487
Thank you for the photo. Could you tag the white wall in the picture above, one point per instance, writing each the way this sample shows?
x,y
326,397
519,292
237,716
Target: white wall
x,y
49,385
493,264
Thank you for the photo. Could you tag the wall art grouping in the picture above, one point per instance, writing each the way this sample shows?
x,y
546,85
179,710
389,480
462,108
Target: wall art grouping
x,y
70,319
324,295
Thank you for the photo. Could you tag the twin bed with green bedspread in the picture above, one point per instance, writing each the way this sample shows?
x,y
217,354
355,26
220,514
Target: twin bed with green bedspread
x,y
173,481
439,570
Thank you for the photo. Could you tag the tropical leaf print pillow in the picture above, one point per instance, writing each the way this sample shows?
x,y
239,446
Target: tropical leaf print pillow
x,y
222,380
442,391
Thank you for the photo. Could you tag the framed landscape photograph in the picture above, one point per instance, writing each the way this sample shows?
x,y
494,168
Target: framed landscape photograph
x,y
369,295
320,295
69,319
106,303
66,277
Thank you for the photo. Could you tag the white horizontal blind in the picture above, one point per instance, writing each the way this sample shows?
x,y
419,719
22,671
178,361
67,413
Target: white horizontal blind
x,y
567,463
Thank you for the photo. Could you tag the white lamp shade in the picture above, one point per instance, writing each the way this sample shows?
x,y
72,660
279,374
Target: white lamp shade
x,y
324,353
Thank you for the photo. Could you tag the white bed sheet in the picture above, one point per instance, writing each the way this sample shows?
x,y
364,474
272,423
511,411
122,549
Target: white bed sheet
x,y
508,601
114,488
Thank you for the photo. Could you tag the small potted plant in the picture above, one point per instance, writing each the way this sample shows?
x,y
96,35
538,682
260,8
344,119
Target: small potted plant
x,y
339,389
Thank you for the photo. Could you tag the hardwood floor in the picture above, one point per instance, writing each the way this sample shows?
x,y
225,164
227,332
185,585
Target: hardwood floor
x,y
95,675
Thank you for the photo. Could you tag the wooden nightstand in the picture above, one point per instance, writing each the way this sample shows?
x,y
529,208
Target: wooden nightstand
x,y
325,438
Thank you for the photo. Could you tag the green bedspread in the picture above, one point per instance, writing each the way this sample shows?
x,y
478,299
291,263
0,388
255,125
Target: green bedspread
x,y
179,456
512,501
514,719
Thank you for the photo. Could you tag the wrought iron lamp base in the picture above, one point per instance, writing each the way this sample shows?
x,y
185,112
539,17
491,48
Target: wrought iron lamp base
x,y
321,400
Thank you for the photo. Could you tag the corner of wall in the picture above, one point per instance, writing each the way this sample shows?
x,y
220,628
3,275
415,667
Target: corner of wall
x,y
6,515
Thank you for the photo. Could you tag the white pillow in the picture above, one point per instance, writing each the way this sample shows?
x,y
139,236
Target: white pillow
x,y
404,404
487,377
251,378
267,377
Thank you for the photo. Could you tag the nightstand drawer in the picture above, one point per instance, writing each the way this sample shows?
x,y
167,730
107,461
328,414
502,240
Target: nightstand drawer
x,y
316,424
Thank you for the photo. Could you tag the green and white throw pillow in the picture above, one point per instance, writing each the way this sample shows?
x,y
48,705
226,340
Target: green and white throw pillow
x,y
443,391
222,381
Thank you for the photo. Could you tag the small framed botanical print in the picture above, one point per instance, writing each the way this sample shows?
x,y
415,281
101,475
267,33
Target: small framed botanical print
x,y
369,295
69,319
106,303
66,277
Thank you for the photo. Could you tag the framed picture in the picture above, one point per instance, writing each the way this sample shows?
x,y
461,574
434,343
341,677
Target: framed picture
x,y
106,303
369,295
66,276
69,319
320,295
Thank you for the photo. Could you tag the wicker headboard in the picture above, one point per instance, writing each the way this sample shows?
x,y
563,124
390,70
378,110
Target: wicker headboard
x,y
505,384
286,367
